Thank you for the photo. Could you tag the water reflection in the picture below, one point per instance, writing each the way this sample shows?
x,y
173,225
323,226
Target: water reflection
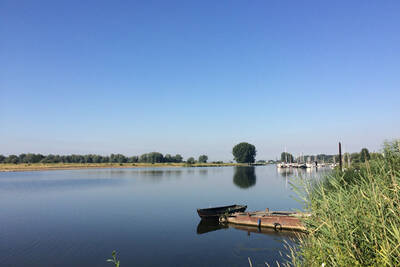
x,y
285,171
59,185
244,177
71,213
304,173
210,225
152,172
203,171
173,172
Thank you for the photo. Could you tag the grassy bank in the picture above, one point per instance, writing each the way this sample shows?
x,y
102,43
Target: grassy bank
x,y
355,216
5,167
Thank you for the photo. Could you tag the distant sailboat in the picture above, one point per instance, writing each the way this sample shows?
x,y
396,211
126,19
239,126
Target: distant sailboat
x,y
284,164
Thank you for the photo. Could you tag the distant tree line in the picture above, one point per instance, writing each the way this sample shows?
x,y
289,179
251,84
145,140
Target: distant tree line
x,y
153,157
363,156
320,158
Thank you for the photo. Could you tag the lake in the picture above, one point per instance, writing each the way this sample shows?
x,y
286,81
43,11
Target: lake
x,y
78,217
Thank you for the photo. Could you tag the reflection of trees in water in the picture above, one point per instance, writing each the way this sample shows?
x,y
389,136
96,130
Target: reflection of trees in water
x,y
244,177
304,173
190,171
152,173
173,172
158,175
285,172
203,171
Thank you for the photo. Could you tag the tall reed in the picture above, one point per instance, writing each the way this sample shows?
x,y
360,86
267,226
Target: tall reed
x,y
355,216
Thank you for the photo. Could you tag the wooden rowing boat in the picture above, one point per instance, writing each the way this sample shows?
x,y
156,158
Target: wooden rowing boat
x,y
220,211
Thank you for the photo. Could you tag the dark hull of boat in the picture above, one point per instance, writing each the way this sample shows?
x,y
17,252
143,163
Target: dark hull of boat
x,y
218,211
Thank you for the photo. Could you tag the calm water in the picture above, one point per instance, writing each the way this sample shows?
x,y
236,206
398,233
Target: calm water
x,y
77,217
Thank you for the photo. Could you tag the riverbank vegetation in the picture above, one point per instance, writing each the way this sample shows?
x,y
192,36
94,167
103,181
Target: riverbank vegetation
x,y
153,157
355,215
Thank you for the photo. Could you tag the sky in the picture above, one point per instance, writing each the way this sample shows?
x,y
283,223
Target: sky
x,y
198,77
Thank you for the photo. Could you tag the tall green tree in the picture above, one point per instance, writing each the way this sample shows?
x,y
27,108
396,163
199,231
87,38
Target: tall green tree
x,y
364,155
12,159
287,157
203,159
244,153
355,157
190,160
133,159
168,158
177,158
152,157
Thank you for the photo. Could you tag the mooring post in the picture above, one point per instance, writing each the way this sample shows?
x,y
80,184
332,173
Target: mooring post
x,y
340,156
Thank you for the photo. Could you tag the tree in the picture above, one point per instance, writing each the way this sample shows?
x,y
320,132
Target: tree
x,y
178,158
153,157
244,153
96,158
133,159
168,158
190,160
355,157
287,157
203,159
364,155
2,158
51,159
88,158
11,159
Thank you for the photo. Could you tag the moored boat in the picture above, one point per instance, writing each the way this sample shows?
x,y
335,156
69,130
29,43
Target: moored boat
x,y
219,211
309,165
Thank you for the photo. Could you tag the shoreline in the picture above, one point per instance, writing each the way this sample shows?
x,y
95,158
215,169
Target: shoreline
x,y
25,167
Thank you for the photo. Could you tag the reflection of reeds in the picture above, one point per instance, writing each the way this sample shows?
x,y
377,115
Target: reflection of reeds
x,y
355,217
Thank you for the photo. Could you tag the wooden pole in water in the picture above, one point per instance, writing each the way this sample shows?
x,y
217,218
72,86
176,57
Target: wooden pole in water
x,y
340,156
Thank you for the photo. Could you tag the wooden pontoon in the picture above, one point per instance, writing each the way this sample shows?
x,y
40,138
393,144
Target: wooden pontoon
x,y
278,220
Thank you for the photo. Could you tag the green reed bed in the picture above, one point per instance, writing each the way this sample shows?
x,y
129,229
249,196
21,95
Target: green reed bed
x,y
355,216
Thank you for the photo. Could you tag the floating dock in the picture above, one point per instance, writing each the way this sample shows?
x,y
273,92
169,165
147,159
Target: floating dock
x,y
278,220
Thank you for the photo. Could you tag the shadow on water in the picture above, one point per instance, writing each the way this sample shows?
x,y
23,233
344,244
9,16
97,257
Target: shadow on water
x,y
244,177
211,225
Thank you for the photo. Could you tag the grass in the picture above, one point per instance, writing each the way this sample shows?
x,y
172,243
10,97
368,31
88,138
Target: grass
x,y
63,166
355,216
114,260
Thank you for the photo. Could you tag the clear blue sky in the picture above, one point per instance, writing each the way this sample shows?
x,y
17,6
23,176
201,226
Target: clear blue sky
x,y
197,77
